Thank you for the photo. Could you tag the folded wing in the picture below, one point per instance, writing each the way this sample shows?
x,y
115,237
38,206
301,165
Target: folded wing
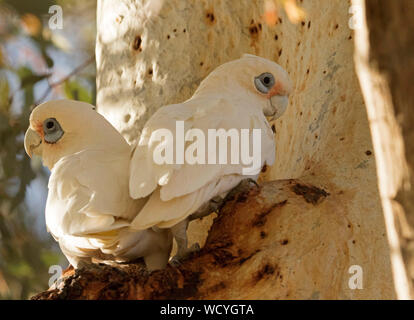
x,y
178,190
88,194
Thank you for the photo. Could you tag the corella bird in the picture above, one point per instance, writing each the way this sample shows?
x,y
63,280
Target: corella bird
x,y
88,208
238,95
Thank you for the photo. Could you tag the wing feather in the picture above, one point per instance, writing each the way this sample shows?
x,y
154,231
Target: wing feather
x,y
165,214
88,194
145,174
186,187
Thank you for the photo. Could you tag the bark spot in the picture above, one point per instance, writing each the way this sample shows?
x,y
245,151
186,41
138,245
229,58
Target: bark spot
x,y
119,18
217,287
221,253
137,44
284,242
210,18
114,291
223,257
242,197
311,194
264,272
244,259
260,219
174,284
254,30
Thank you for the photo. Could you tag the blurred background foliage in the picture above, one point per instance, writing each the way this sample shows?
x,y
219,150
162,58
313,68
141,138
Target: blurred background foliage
x,y
36,64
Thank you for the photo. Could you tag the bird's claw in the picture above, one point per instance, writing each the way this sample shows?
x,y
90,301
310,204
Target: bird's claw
x,y
243,187
176,261
249,181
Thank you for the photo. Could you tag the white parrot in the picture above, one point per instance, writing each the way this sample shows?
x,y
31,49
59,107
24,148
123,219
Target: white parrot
x,y
237,95
88,208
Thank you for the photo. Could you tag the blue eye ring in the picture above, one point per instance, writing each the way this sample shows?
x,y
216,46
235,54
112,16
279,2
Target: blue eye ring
x,y
264,82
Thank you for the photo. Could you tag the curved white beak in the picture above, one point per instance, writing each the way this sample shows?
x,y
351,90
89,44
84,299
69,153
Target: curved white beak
x,y
277,106
32,143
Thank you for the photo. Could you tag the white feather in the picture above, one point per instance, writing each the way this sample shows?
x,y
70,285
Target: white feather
x,y
190,186
89,209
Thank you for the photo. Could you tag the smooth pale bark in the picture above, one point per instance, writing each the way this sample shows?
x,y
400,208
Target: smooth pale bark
x,y
385,65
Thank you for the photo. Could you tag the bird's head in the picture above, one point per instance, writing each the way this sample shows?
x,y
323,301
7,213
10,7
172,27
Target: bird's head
x,y
63,127
257,76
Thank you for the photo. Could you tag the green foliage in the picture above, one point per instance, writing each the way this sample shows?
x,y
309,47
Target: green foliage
x,y
28,78
25,257
19,246
74,90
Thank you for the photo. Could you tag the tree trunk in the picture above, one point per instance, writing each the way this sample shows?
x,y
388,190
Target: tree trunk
x,y
385,61
293,239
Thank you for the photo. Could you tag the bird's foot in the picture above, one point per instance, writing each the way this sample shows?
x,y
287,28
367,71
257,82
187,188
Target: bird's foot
x,y
176,261
215,204
246,184
242,188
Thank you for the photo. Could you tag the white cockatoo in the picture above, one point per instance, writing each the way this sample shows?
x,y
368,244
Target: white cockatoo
x,y
237,95
88,208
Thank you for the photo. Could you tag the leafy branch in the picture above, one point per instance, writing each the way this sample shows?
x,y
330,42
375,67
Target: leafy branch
x,y
55,84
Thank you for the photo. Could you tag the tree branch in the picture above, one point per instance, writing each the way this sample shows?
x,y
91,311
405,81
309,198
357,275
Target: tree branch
x,y
62,80
245,247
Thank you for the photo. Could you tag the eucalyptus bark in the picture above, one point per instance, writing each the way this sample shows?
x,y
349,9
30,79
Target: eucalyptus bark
x,y
385,65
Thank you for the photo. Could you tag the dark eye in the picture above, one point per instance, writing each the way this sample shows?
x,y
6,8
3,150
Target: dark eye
x,y
52,130
50,125
264,82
